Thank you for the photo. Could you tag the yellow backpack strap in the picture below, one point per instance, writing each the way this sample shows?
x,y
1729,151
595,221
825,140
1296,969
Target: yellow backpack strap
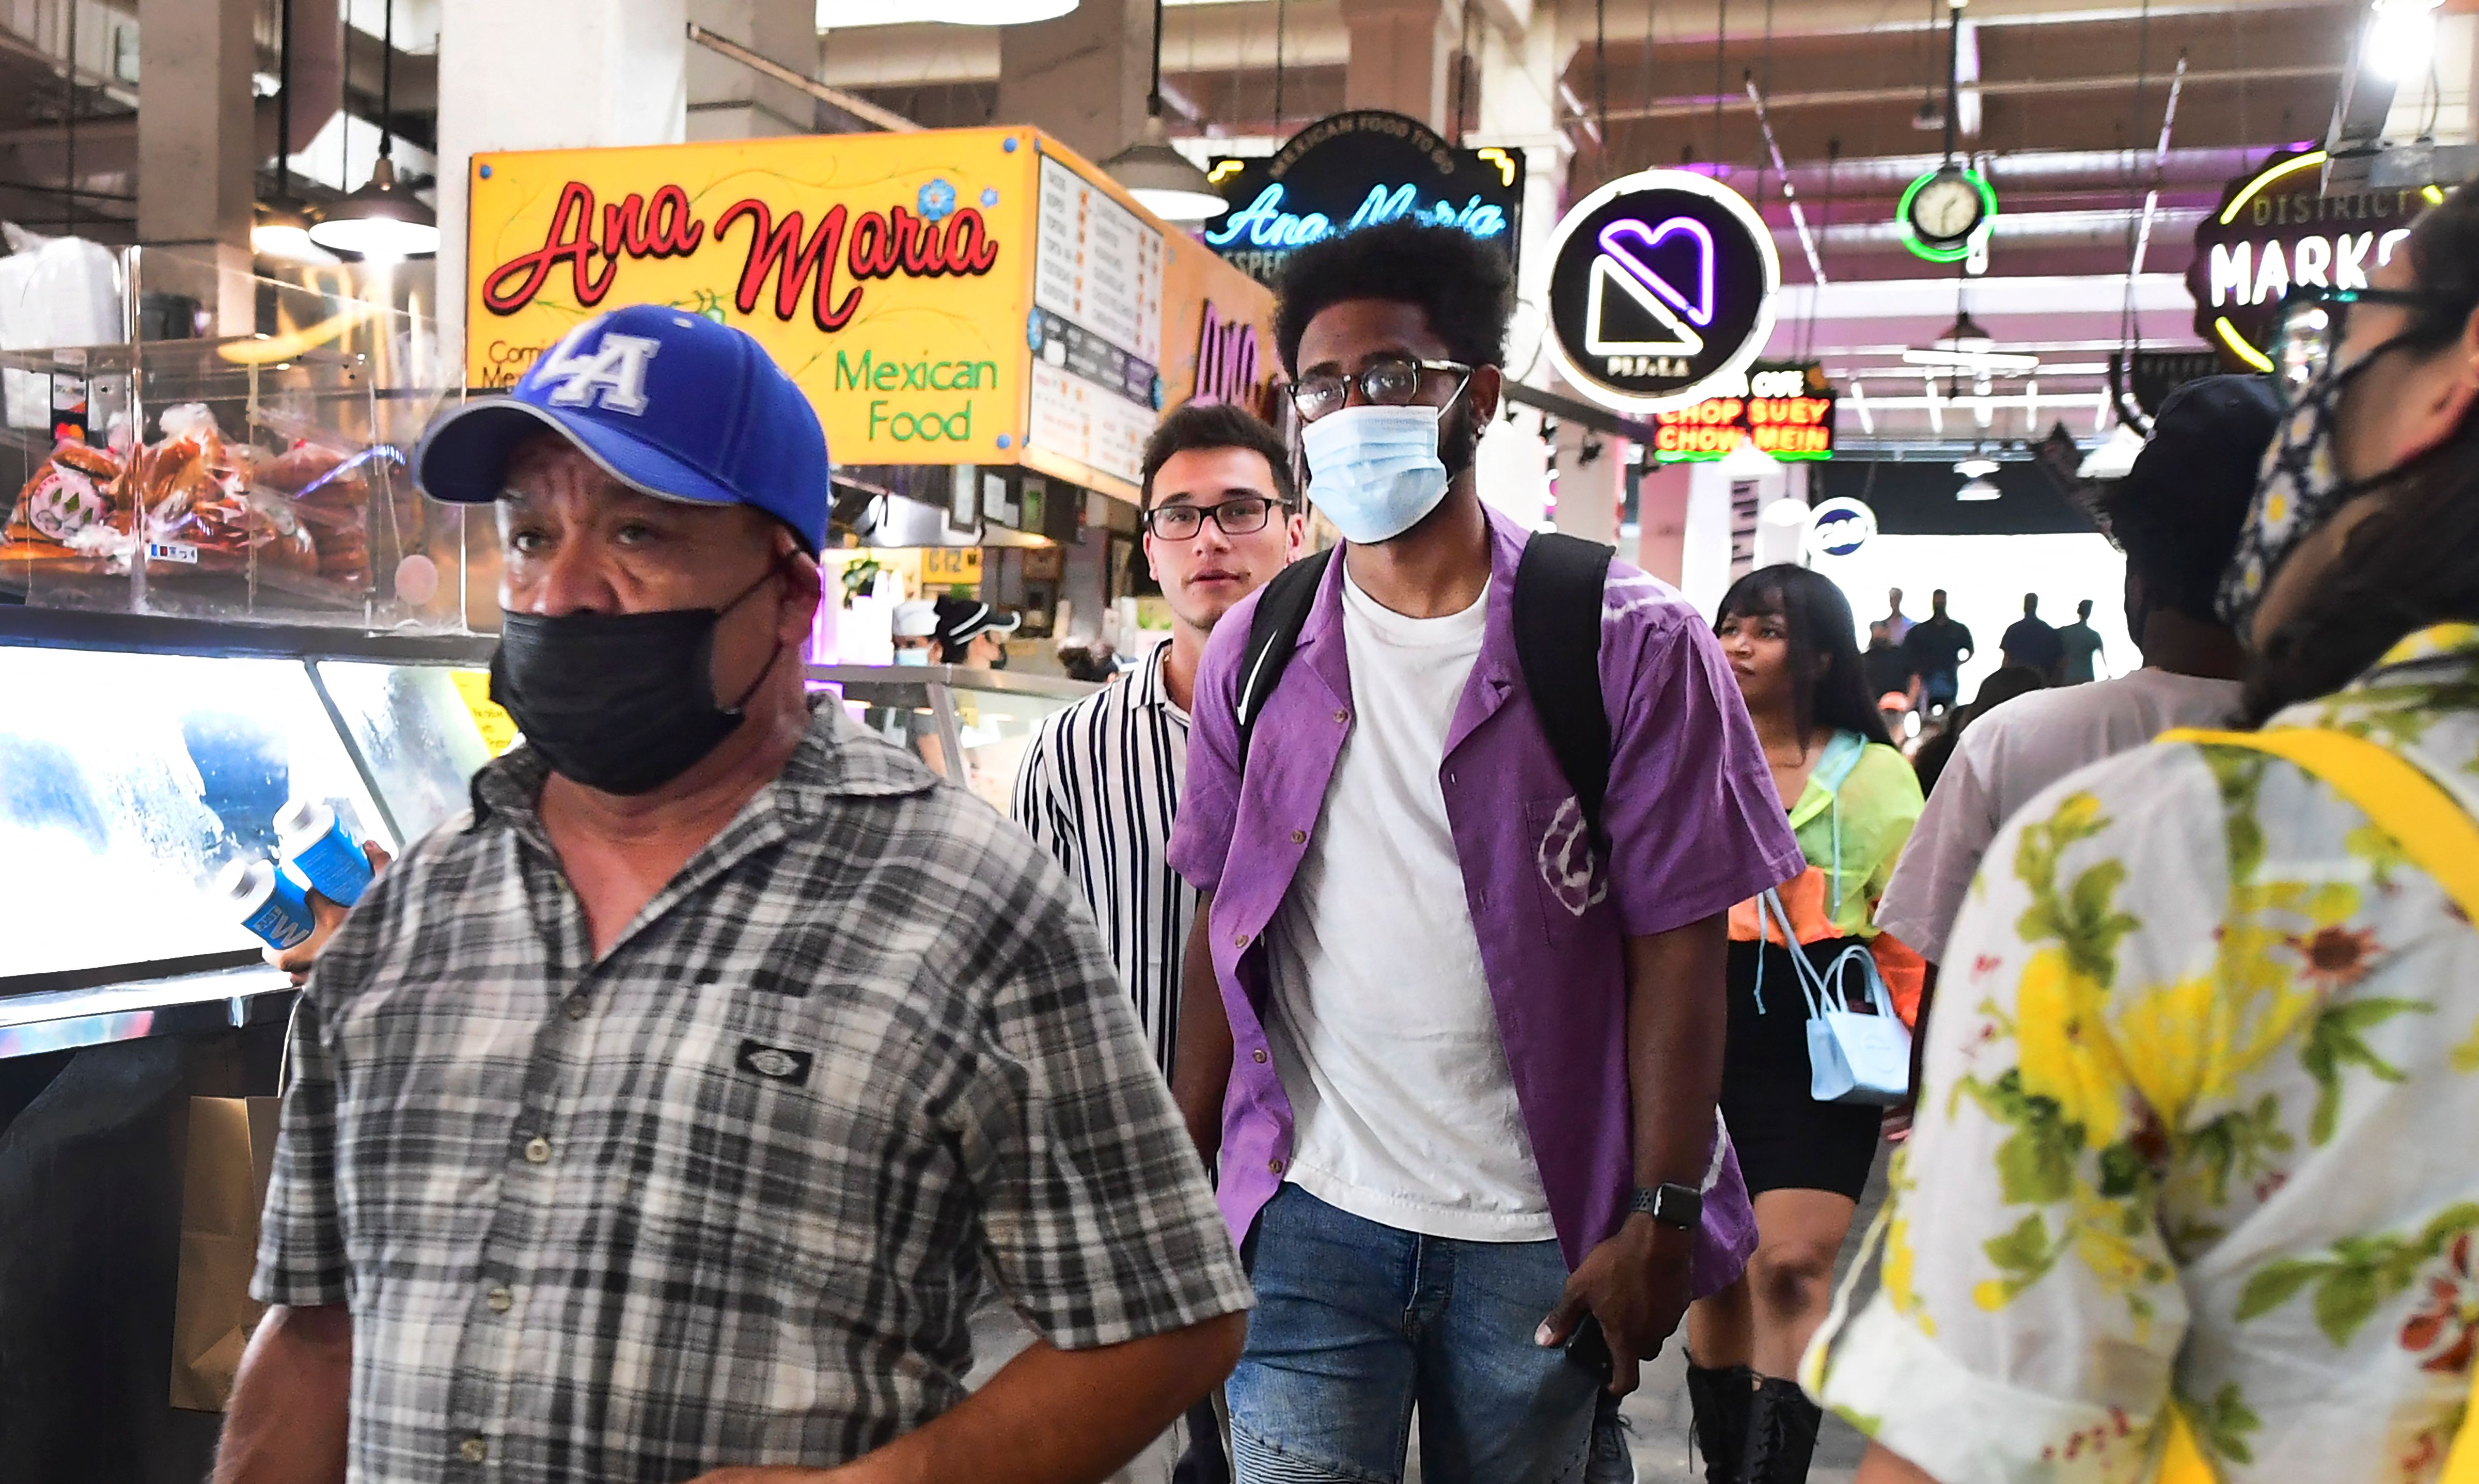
x,y
2434,831
2440,838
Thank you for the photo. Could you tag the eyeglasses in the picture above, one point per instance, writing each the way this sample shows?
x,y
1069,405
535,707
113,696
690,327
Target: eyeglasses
x,y
1388,383
1242,516
2314,320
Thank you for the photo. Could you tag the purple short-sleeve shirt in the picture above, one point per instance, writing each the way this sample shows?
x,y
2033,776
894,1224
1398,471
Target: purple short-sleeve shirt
x,y
1695,826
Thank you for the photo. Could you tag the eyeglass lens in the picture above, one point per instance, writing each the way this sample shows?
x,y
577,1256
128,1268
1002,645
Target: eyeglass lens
x,y
1235,517
1385,384
2304,346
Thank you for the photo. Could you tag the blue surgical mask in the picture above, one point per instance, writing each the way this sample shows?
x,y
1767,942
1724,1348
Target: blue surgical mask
x,y
1375,471
912,657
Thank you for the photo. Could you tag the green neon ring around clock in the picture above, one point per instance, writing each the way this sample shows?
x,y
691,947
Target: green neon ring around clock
x,y
1960,248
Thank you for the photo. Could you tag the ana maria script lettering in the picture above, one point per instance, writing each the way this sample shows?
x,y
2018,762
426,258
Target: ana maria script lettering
x,y
832,262
1264,223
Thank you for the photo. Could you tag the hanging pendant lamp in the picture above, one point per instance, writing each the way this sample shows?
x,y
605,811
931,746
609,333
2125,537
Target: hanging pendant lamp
x,y
281,228
1160,178
382,221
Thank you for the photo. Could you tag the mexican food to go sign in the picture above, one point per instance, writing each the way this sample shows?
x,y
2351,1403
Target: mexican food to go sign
x,y
955,297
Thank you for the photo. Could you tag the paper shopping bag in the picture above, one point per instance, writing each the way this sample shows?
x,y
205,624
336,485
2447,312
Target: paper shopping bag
x,y
231,1157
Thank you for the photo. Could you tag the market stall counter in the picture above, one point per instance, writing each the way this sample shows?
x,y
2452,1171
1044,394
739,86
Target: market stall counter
x,y
139,756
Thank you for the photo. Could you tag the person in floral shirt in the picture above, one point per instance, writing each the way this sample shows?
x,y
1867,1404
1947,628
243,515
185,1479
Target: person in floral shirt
x,y
2185,1145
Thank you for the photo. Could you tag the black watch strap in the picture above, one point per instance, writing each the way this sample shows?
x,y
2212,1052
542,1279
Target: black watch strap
x,y
1671,1205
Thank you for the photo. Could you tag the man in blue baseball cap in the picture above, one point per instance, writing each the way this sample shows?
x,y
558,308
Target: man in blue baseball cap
x,y
663,1114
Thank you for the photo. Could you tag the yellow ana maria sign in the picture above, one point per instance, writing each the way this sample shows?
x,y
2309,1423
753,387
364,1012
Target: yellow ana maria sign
x,y
955,296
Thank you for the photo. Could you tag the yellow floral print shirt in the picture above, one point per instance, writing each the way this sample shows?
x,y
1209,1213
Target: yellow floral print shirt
x,y
2200,1128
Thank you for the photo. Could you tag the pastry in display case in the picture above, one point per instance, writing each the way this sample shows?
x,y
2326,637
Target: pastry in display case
x,y
76,514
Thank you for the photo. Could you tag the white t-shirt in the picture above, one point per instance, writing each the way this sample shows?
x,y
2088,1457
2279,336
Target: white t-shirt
x,y
2014,752
1383,1029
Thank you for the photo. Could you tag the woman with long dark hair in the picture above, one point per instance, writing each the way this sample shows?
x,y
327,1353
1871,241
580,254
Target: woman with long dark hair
x,y
1791,643
2190,1175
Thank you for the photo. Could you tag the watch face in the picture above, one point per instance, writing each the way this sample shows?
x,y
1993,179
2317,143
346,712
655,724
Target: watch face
x,y
1946,209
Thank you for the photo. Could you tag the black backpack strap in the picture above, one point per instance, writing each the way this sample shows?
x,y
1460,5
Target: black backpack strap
x,y
1558,646
1273,633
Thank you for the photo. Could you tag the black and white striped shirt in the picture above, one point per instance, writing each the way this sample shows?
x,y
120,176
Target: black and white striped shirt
x,y
1098,789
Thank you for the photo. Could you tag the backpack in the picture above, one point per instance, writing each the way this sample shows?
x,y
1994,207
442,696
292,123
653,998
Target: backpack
x,y
1557,647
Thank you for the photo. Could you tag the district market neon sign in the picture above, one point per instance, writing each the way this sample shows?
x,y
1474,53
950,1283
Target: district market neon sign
x,y
2252,273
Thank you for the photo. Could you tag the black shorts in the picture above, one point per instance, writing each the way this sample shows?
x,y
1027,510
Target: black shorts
x,y
1786,1140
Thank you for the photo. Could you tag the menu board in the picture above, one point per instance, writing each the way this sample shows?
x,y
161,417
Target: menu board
x,y
1096,326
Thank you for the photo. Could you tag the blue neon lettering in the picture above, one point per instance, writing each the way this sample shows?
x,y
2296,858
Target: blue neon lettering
x,y
1264,223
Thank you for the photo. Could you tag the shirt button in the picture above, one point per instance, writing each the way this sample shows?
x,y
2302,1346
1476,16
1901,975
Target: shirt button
x,y
576,1006
1342,716
1273,1166
537,1150
500,1298
1258,1055
1239,941
474,1451
1299,837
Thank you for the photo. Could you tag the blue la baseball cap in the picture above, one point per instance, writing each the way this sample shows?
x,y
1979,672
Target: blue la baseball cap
x,y
668,403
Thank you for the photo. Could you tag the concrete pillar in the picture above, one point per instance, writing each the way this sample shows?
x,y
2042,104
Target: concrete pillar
x,y
1592,483
1400,56
195,192
1082,77
728,101
1661,500
545,74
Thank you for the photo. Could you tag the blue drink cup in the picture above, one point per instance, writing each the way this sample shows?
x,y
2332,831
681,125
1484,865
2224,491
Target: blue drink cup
x,y
313,844
268,903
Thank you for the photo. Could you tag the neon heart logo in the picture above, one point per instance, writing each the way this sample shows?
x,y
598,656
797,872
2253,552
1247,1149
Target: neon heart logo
x,y
1614,236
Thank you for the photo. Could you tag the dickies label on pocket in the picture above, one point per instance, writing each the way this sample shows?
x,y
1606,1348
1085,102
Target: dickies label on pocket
x,y
777,1063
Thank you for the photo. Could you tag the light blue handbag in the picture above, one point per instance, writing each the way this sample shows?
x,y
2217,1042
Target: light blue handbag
x,y
1853,1056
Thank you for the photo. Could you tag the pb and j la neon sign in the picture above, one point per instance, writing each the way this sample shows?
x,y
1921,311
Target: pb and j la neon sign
x,y
1264,223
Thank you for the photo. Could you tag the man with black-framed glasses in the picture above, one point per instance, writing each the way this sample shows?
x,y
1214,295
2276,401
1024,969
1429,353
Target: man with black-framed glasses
x,y
1099,784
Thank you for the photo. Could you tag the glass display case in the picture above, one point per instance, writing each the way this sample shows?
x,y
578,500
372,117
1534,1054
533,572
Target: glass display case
x,y
139,756
257,477
972,726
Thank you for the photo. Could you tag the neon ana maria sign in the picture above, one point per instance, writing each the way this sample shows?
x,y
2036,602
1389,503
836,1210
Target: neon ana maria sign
x,y
1358,169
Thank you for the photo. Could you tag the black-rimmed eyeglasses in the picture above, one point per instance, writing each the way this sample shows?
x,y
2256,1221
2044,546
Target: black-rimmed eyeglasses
x,y
1388,383
2313,321
1242,516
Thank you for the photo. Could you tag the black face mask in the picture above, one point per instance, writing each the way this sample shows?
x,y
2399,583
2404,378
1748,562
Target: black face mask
x,y
621,702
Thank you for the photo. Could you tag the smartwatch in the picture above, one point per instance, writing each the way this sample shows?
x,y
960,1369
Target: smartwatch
x,y
1671,1205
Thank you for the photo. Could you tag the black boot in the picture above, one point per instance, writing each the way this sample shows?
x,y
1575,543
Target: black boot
x,y
1781,1432
1719,1400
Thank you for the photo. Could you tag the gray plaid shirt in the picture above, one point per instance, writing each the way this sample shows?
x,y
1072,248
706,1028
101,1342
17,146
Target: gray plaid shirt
x,y
723,1197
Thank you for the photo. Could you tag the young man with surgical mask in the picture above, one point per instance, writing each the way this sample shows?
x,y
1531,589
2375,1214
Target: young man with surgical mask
x,y
1458,1060
652,1120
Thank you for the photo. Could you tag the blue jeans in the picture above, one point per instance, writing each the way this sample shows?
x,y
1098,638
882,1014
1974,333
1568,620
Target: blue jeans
x,y
1356,1322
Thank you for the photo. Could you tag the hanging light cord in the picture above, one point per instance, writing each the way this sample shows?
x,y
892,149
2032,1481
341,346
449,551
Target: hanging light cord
x,y
1280,6
387,80
284,102
1153,97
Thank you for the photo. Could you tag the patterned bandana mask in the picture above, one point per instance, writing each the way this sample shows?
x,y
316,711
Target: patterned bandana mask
x,y
2297,490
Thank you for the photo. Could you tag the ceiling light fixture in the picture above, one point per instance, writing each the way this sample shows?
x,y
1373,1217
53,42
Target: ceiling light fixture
x,y
281,229
1980,465
1978,489
1162,180
382,221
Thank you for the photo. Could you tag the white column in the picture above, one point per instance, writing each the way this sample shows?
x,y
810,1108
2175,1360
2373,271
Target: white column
x,y
547,74
1591,492
196,153
728,101
1082,77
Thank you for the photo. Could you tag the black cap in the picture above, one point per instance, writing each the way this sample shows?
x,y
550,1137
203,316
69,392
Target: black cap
x,y
2214,428
960,618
